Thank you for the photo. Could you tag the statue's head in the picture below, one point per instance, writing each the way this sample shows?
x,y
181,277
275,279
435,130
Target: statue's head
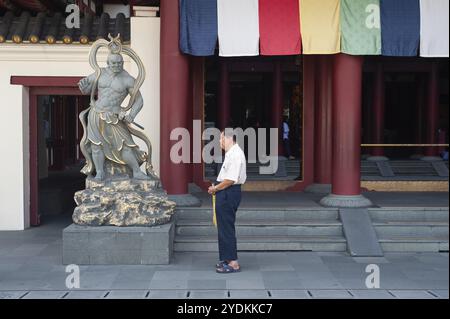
x,y
115,62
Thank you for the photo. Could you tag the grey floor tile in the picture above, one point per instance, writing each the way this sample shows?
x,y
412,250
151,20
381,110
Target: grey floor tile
x,y
352,283
208,294
45,294
127,294
86,294
253,283
170,275
120,283
12,294
168,284
441,293
371,294
167,294
275,267
92,281
209,274
249,294
206,284
370,260
28,249
330,294
412,294
274,283
290,294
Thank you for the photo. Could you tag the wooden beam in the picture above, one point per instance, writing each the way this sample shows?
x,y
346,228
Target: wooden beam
x,y
55,81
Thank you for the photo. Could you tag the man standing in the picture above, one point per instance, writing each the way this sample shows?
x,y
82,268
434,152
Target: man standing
x,y
228,197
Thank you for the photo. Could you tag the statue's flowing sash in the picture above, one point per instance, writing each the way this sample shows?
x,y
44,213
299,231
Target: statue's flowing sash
x,y
115,46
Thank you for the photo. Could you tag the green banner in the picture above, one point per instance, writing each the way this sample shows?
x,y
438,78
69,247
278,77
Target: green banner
x,y
360,27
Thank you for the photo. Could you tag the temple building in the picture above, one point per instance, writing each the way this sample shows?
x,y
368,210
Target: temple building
x,y
367,110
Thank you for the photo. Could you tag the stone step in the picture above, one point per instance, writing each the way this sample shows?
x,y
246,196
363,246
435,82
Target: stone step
x,y
412,229
414,244
256,169
201,228
263,243
410,214
431,172
258,214
261,178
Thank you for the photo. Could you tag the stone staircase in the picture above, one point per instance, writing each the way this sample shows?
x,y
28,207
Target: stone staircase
x,y
292,169
411,229
308,229
402,229
403,170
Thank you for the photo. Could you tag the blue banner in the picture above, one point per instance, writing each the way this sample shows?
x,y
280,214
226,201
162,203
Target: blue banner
x,y
198,27
400,27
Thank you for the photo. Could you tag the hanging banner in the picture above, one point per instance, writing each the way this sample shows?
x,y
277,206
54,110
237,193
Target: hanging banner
x,y
319,26
238,26
360,27
279,27
434,28
198,27
400,27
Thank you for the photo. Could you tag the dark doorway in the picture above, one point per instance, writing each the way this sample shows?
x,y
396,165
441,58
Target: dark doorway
x,y
251,83
59,157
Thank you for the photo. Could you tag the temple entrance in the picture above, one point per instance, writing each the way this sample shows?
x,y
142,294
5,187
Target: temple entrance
x,y
258,93
59,156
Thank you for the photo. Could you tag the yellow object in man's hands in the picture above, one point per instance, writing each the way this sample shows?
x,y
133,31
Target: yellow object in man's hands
x,y
214,209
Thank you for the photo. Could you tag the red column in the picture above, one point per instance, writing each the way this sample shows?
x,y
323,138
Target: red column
x,y
277,102
347,83
174,97
323,127
223,112
432,111
378,110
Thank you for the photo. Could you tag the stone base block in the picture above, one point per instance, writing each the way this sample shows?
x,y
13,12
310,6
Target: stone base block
x,y
185,200
111,245
332,200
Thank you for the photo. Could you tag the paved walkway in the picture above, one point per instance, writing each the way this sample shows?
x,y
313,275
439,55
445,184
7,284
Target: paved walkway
x,y
30,267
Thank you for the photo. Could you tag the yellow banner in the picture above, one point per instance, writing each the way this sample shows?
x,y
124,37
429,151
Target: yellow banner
x,y
319,26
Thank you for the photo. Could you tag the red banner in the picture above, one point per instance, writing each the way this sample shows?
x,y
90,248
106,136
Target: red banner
x,y
279,27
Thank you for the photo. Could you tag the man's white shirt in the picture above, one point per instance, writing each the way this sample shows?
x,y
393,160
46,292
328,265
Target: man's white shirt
x,y
234,166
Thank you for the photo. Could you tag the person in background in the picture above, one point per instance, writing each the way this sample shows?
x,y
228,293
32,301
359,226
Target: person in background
x,y
286,143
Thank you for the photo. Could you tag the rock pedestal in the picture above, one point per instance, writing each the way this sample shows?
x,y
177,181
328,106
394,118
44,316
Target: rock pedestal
x,y
119,200
120,220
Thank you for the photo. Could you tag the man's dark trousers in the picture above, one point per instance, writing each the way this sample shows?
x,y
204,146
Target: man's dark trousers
x,y
227,203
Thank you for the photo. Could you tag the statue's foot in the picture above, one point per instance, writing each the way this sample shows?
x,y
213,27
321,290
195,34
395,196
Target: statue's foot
x,y
99,176
139,175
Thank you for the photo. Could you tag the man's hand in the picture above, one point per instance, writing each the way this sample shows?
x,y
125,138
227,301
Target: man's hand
x,y
123,116
211,189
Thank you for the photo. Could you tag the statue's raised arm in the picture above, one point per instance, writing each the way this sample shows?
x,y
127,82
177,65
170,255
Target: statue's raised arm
x,y
85,84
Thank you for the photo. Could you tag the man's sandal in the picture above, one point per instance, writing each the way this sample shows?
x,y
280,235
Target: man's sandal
x,y
221,263
227,269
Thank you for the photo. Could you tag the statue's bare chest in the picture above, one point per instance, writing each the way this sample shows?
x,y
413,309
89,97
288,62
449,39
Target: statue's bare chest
x,y
111,85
